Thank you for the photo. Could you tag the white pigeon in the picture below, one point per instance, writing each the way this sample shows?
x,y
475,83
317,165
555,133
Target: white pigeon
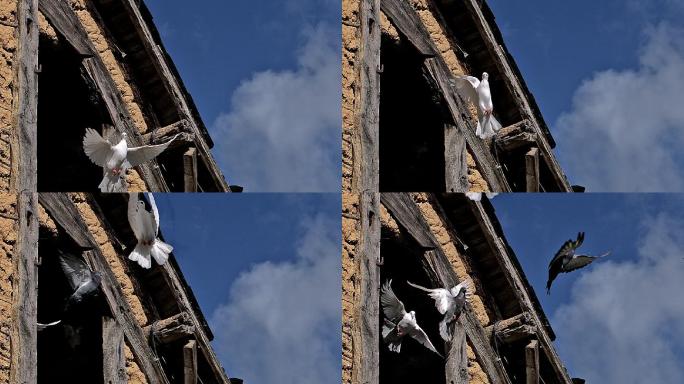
x,y
144,220
478,93
449,303
399,323
116,157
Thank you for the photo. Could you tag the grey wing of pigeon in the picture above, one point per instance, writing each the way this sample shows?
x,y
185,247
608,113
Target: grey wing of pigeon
x,y
581,261
391,306
422,338
75,269
145,153
98,150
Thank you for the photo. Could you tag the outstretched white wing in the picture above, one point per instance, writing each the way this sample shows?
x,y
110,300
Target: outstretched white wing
x,y
98,150
134,216
145,153
441,296
155,212
468,87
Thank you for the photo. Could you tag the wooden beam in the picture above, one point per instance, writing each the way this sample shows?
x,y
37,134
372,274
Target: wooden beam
x,y
113,355
457,358
406,20
23,147
515,88
518,288
190,170
63,211
162,135
513,329
518,135
65,21
174,328
456,167
441,274
177,92
532,170
532,362
190,362
23,331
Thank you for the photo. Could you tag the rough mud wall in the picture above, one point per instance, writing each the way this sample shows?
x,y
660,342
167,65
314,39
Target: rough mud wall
x,y
128,90
8,50
350,82
8,223
350,240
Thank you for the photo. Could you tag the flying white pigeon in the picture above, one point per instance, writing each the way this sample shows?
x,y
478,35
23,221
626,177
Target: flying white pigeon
x,y
566,260
478,93
399,323
82,280
449,303
144,220
115,157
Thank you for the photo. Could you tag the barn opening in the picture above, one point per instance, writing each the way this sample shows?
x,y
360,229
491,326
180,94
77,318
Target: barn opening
x,y
415,363
68,103
72,351
411,122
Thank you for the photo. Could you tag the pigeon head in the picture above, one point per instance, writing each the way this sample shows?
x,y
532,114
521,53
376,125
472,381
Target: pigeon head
x,y
485,75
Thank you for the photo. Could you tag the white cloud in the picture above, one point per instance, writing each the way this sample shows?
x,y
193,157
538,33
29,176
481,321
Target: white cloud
x,y
283,131
281,323
625,320
625,131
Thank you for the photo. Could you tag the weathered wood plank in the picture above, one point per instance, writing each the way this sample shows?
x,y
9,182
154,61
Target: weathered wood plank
x,y
401,13
516,136
365,330
60,17
457,359
162,135
441,274
456,167
518,288
532,362
190,362
366,172
23,332
113,356
190,170
174,328
175,90
532,170
23,147
67,216
516,91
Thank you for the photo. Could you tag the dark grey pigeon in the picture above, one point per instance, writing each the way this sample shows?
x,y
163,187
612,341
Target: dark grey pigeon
x,y
82,280
566,260
449,302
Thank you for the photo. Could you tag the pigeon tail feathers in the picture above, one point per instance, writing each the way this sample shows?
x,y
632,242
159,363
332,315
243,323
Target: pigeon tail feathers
x,y
141,255
160,251
112,183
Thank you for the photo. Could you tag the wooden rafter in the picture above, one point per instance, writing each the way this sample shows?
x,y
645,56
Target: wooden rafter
x,y
174,328
113,355
532,170
532,362
190,170
190,362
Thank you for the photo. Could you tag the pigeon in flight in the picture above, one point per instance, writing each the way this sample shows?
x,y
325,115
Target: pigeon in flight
x,y
478,93
144,220
449,303
566,260
399,323
114,155
82,280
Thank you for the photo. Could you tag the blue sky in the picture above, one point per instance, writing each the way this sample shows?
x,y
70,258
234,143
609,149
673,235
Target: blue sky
x,y
616,320
265,269
265,76
608,76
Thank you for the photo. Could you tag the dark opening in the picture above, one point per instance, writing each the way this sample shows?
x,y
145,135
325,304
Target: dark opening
x,y
67,104
415,363
411,123
70,352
